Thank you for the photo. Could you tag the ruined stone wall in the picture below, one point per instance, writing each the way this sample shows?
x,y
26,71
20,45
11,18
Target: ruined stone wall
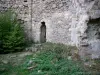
x,y
89,42
67,21
57,17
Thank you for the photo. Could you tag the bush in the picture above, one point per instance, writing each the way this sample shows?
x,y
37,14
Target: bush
x,y
11,33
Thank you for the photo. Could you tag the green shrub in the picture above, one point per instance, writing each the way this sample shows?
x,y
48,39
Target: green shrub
x,y
11,33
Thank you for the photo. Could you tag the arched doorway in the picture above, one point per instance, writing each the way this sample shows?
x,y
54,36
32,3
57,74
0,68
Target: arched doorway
x,y
43,32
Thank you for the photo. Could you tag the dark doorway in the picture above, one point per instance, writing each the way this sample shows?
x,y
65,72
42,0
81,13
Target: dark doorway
x,y
43,32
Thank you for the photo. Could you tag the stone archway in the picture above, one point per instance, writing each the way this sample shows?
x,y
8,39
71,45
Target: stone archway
x,y
43,32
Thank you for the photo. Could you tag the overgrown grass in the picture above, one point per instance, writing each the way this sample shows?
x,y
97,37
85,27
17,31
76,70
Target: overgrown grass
x,y
52,59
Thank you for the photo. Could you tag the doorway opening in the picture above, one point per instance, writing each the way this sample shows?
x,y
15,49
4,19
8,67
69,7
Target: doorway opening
x,y
43,32
93,36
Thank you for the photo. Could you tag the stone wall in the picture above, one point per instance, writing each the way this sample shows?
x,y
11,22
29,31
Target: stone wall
x,y
57,17
89,42
67,21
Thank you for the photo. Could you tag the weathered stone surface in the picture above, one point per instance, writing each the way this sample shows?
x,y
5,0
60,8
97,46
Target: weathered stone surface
x,y
67,21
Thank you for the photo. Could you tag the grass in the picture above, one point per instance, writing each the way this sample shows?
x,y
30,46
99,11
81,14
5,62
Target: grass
x,y
51,59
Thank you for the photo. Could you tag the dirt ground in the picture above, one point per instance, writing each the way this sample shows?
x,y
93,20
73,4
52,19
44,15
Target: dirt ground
x,y
13,59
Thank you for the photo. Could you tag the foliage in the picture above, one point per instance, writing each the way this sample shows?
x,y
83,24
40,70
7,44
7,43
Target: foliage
x,y
49,61
11,33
